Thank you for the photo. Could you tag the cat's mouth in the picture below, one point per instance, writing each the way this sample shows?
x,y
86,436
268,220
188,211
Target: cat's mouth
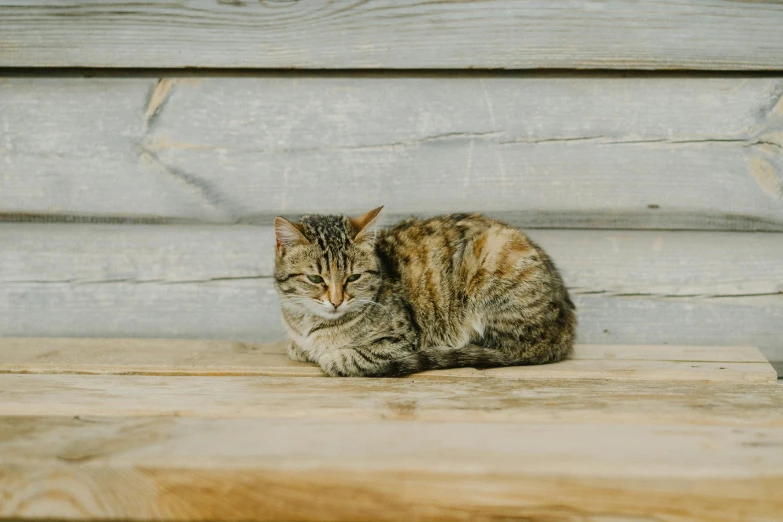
x,y
332,313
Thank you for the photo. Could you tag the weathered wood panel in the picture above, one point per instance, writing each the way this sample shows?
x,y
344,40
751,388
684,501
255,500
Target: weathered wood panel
x,y
631,287
203,357
166,468
71,146
541,151
176,357
622,34
456,400
248,310
656,263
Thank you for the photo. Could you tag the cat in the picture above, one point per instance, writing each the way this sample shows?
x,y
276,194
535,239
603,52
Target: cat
x,y
450,291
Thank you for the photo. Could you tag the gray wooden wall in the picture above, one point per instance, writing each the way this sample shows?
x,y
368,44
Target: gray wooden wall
x,y
137,202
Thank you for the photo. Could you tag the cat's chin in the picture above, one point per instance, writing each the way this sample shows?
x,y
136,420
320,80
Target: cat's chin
x,y
329,315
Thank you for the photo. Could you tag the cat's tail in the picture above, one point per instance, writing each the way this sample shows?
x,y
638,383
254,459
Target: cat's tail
x,y
440,358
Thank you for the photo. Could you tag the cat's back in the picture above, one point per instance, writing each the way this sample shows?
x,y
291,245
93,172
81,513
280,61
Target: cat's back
x,y
421,259
465,275
443,261
420,246
436,232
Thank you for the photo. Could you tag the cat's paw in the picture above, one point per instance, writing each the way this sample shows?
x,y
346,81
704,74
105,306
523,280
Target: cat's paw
x,y
339,363
296,354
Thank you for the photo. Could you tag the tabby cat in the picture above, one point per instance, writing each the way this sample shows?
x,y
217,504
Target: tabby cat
x,y
455,290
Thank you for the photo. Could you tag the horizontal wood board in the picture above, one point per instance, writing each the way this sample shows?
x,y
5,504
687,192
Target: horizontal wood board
x,y
557,400
170,468
182,357
631,287
389,34
537,151
142,447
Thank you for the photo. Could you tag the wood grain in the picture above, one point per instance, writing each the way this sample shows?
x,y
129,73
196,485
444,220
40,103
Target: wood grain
x,y
621,34
31,354
248,311
661,264
560,400
169,468
631,287
182,357
536,150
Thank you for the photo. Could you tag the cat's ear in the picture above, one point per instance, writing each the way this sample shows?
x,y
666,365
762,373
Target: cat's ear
x,y
366,225
288,235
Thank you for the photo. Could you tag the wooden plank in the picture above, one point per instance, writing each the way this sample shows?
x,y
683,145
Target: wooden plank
x,y
667,353
684,321
536,150
445,400
28,354
620,34
96,254
655,263
85,148
760,373
640,287
181,357
168,468
248,311
148,357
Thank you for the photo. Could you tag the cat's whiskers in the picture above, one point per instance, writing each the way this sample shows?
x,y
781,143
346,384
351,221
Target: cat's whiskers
x,y
304,301
296,298
370,301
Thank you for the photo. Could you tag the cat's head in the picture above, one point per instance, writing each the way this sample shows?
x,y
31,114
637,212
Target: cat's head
x,y
326,265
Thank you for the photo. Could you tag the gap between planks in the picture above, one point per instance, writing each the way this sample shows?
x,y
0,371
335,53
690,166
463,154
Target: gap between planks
x,y
228,358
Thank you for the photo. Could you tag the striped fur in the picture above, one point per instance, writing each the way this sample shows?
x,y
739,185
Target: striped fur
x,y
450,291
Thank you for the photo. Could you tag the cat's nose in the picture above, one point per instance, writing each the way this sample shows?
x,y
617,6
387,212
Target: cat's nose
x,y
335,302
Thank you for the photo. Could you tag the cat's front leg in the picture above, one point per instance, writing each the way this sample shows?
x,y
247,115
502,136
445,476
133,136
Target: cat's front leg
x,y
295,353
377,359
350,362
340,363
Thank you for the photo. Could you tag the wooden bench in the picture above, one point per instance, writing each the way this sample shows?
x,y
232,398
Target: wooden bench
x,y
185,430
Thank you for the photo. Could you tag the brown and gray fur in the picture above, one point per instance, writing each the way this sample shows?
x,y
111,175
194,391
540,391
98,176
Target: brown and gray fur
x,y
451,291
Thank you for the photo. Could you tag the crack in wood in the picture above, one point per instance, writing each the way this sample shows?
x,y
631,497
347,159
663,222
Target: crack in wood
x,y
766,142
605,140
775,107
221,278
671,295
159,96
664,219
133,281
705,295
551,140
33,217
206,192
165,144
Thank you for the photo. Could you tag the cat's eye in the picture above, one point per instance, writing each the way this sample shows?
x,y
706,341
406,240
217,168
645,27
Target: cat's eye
x,y
352,278
315,278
